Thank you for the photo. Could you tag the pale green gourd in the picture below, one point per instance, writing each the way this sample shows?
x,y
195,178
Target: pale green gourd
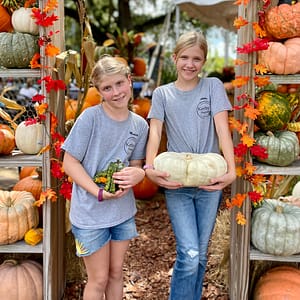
x,y
17,49
275,228
282,147
191,169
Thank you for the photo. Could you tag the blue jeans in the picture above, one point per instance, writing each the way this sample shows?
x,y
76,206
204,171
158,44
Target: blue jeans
x,y
193,214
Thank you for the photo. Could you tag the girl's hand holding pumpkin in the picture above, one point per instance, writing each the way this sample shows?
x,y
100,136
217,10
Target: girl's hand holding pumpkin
x,y
219,183
128,177
161,179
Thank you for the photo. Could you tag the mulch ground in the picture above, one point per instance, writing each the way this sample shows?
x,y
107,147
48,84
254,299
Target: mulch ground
x,y
149,261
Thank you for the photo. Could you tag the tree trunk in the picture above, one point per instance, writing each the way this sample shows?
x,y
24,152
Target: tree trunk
x,y
124,15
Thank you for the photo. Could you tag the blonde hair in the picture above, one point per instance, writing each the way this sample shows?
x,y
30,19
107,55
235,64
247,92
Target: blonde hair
x,y
190,39
108,65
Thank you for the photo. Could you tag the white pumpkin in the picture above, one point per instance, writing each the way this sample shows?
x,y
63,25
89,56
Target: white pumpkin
x,y
191,169
29,137
296,190
22,21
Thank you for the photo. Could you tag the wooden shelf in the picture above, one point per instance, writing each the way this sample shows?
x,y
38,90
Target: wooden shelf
x,y
293,169
18,158
285,79
21,247
17,73
258,255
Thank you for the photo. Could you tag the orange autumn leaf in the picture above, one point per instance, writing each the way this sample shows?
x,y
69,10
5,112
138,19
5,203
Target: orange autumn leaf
x,y
42,108
34,63
250,169
251,112
241,2
262,81
44,149
239,171
239,22
260,69
239,81
48,194
259,32
234,123
29,3
50,5
247,140
256,179
51,50
54,123
240,62
240,218
243,128
238,200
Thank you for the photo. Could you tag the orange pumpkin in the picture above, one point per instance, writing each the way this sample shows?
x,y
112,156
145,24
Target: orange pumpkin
x,y
5,20
282,58
7,141
27,171
92,97
283,21
281,282
139,66
141,106
145,189
32,184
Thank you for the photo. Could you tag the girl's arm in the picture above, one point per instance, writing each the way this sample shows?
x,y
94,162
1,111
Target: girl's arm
x,y
226,145
160,178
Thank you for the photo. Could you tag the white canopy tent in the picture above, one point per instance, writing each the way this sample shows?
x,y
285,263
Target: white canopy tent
x,y
212,12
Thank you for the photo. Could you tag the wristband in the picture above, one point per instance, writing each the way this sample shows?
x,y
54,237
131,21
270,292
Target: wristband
x,y
145,167
100,195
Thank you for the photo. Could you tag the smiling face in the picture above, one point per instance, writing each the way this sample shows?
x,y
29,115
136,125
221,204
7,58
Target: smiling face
x,y
115,90
189,62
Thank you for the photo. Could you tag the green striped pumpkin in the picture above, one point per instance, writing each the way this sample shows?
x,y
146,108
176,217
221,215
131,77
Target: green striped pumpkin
x,y
17,49
275,111
282,147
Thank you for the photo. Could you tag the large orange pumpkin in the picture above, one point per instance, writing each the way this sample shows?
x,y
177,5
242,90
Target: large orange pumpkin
x,y
145,189
283,21
5,20
21,280
7,141
141,106
281,282
282,58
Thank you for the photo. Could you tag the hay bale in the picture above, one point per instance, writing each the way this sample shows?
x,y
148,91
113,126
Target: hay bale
x,y
219,249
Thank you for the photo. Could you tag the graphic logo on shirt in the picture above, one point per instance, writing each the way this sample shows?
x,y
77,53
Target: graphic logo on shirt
x,y
203,108
130,144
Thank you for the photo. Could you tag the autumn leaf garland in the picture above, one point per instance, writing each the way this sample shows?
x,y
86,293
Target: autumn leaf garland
x,y
246,145
45,18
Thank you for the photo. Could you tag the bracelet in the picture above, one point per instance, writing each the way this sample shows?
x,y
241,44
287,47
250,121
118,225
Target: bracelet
x,y
145,167
100,195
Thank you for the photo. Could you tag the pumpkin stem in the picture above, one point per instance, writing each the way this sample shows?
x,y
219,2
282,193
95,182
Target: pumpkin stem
x,y
279,209
10,262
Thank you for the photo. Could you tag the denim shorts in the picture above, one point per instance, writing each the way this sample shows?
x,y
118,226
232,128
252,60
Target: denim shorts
x,y
88,241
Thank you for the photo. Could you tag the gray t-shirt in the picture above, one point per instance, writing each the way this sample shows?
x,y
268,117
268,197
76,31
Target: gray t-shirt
x,y
96,140
188,115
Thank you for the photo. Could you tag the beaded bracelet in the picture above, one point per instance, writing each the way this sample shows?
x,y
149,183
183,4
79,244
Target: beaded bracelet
x,y
100,195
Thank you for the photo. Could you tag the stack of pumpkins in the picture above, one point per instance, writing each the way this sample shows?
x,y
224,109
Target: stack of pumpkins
x,y
278,122
18,36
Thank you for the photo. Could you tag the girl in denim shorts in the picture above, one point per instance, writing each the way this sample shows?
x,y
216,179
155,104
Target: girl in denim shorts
x,y
103,222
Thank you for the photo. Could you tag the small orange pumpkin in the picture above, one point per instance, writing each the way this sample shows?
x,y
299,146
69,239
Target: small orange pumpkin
x,y
5,20
7,141
141,106
92,97
139,66
145,189
27,171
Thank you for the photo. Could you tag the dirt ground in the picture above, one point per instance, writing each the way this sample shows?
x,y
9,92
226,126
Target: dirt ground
x,y
149,261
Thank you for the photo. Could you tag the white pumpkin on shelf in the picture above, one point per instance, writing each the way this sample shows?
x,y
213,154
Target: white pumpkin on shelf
x,y
22,21
29,137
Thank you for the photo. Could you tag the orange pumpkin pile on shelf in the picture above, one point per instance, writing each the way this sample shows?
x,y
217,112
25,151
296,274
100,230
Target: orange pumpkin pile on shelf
x,y
5,20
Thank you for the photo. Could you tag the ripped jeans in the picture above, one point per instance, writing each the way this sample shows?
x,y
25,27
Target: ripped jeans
x,y
193,214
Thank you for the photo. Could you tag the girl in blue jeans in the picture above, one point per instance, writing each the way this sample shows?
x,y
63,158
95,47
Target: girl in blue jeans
x,y
194,111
